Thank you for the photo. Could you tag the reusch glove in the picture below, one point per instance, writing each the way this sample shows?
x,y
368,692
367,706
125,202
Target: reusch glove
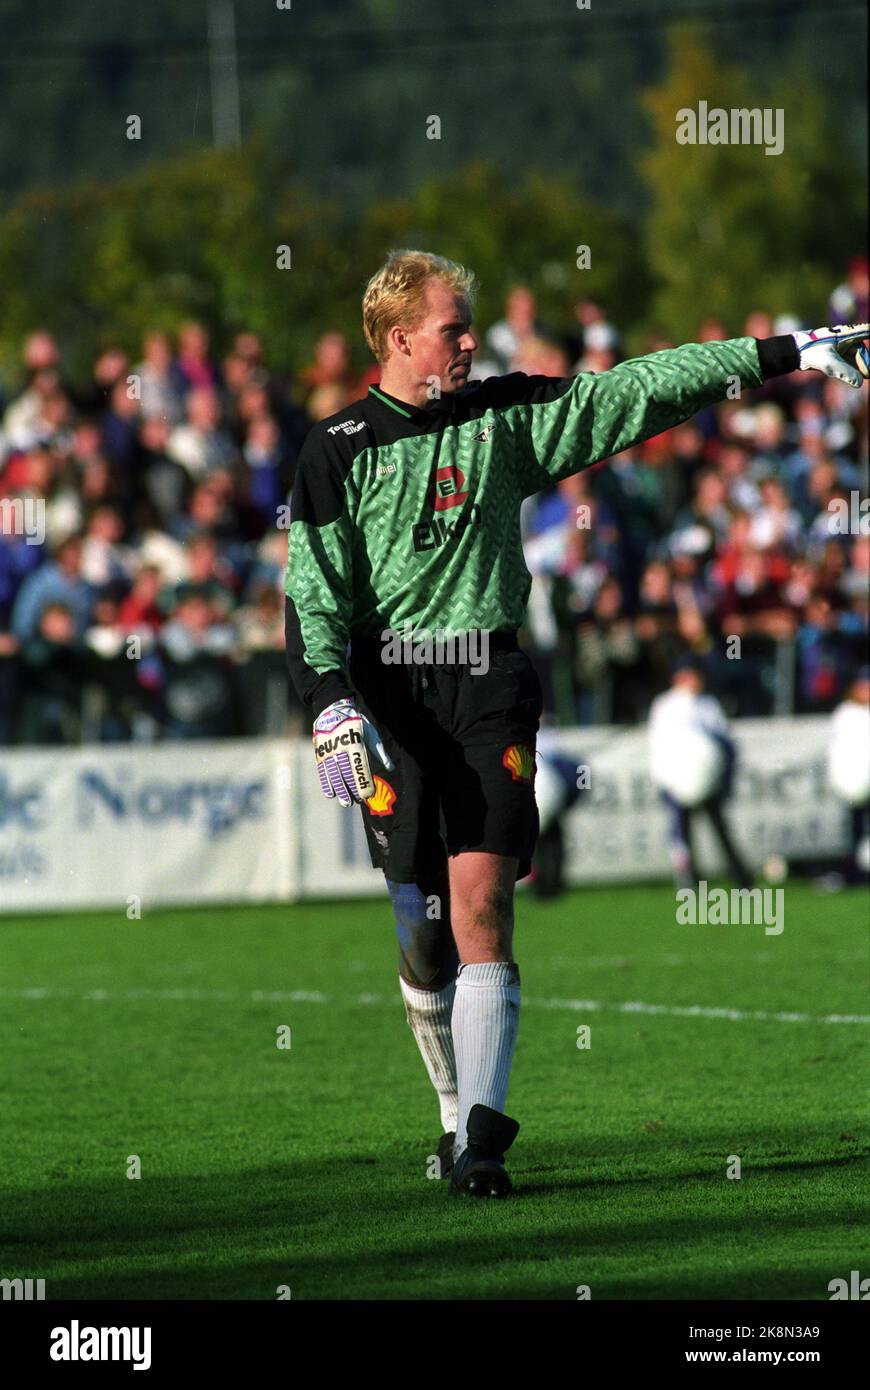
x,y
343,741
838,352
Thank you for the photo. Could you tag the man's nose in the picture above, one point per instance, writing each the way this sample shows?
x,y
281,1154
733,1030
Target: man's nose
x,y
468,342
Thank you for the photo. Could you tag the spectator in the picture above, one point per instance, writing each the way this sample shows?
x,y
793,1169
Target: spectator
x,y
591,333
753,602
118,430
59,582
325,400
260,623
829,645
741,491
201,444
520,323
702,527
53,669
262,454
721,527
194,369
540,357
160,394
330,368
208,578
160,480
110,370
20,555
139,611
849,301
106,562
775,524
41,361
196,671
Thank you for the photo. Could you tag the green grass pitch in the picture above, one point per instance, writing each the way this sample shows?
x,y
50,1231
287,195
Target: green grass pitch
x,y
306,1166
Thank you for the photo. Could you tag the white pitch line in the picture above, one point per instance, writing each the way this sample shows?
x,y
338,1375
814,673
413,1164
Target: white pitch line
x,y
301,996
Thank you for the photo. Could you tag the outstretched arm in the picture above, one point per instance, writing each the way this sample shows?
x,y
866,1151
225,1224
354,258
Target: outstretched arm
x,y
565,424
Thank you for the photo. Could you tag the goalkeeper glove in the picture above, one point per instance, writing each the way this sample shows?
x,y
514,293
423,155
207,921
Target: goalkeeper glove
x,y
343,740
838,352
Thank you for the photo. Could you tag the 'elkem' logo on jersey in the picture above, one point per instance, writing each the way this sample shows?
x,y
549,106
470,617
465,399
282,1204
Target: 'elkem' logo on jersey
x,y
449,487
382,800
428,535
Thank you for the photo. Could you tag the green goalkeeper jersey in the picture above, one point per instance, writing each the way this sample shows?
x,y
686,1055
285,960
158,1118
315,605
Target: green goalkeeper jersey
x,y
408,519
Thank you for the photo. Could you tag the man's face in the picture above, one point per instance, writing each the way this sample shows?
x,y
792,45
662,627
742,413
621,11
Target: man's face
x,y
69,557
201,562
56,625
442,346
193,613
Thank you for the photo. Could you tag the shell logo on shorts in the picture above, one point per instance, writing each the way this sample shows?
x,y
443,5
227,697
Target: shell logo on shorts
x,y
383,798
519,760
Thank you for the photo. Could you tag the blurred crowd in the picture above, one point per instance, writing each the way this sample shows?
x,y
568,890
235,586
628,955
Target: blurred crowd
x,y
152,605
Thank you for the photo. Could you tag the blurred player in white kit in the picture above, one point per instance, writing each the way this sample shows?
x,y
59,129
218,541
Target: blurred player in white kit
x,y
849,770
692,760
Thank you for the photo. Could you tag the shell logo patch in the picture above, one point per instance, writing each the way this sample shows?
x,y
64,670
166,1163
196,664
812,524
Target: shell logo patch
x,y
383,798
519,760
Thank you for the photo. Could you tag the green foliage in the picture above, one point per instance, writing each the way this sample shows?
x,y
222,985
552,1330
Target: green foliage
x,y
722,229
731,228
199,236
509,232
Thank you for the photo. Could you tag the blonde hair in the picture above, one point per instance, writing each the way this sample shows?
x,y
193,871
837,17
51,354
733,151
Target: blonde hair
x,y
396,293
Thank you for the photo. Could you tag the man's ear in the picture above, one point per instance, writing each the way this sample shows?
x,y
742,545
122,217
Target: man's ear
x,y
398,340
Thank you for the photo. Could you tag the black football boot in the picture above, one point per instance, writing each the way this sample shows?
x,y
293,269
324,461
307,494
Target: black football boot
x,y
479,1171
445,1152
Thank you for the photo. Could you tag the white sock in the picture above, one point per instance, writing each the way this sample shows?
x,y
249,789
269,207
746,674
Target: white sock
x,y
486,1015
428,1012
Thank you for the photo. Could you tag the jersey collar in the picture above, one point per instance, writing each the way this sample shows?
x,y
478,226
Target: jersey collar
x,y
443,406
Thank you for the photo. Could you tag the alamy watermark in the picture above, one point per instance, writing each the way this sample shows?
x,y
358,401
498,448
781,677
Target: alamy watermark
x,y
856,1288
25,1290
23,516
849,516
77,1343
738,126
717,907
422,647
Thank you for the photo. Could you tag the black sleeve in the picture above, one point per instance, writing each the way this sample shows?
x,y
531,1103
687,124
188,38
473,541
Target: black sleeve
x,y
777,356
318,583
315,691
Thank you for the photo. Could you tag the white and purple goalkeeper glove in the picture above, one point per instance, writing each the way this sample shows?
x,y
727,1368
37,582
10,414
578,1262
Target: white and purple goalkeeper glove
x,y
343,740
838,352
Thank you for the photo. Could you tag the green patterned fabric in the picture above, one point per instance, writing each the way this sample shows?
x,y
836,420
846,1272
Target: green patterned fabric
x,y
404,515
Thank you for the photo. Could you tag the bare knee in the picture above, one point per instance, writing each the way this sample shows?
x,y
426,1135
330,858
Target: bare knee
x,y
487,921
490,902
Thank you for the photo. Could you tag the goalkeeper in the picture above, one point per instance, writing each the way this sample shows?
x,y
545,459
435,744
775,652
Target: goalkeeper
x,y
405,518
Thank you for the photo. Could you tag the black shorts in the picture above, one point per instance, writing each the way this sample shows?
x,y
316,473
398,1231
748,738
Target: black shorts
x,y
463,746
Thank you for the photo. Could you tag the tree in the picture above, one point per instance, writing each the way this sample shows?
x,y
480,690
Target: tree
x,y
730,228
198,237
525,231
